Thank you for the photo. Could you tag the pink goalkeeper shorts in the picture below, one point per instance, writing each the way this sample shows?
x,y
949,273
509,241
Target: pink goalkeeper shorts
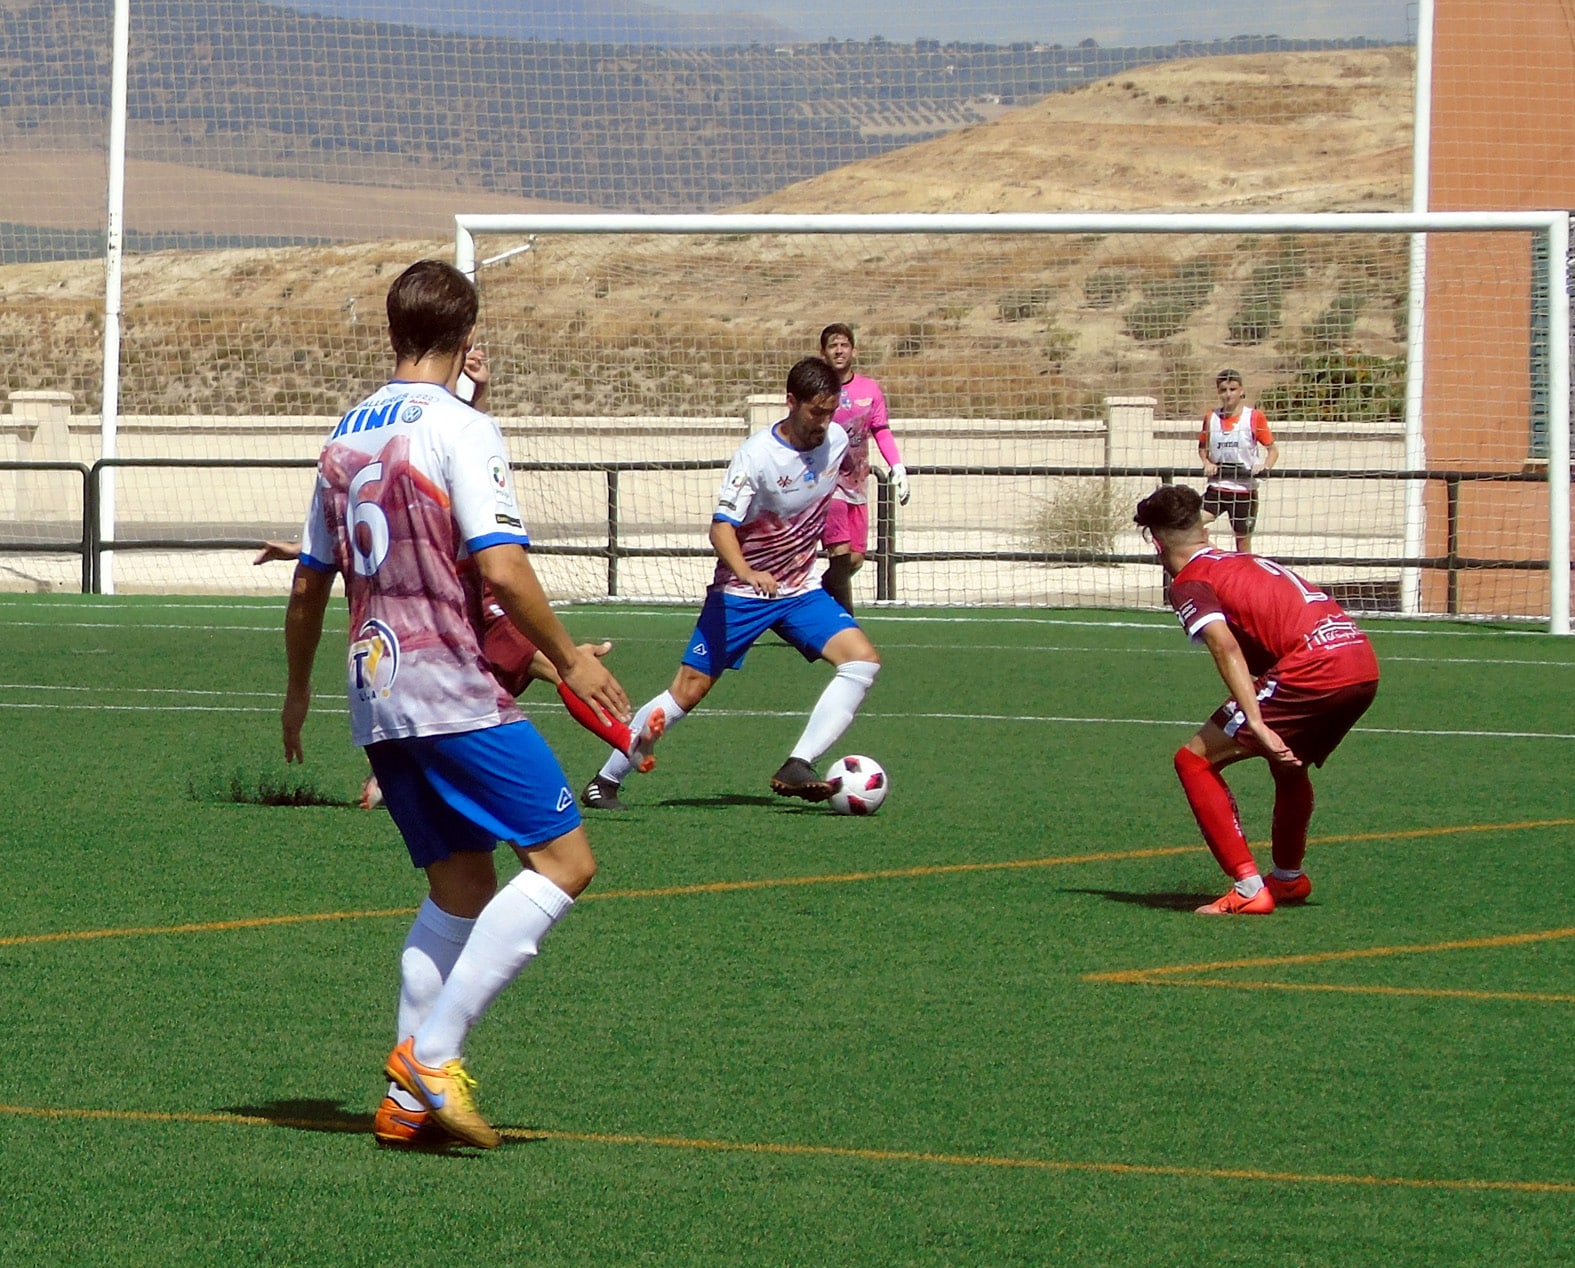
x,y
847,524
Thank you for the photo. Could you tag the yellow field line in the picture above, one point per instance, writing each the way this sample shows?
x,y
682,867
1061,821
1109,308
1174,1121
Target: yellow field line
x,y
207,926
1163,975
1326,957
1533,997
355,1125
786,882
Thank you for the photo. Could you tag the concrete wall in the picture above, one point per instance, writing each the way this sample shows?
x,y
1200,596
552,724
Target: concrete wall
x,y
40,427
671,509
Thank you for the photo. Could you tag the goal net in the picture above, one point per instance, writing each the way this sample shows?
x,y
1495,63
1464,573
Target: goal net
x,y
1042,374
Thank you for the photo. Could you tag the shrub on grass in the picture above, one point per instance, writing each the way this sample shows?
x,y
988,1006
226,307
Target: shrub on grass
x,y
1080,515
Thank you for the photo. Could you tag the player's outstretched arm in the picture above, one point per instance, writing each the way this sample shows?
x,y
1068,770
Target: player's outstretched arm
x,y
278,552
303,630
507,569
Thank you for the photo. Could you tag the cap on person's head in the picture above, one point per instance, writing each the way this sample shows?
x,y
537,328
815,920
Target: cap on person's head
x,y
1227,375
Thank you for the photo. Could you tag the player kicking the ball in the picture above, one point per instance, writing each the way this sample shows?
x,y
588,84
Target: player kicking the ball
x,y
1300,675
765,530
415,509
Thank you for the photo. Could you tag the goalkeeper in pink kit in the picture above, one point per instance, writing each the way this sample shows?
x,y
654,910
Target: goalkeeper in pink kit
x,y
861,412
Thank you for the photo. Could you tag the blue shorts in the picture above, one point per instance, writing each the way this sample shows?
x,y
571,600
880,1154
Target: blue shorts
x,y
449,793
729,624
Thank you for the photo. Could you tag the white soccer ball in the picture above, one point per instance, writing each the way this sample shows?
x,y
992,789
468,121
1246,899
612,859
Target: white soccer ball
x,y
858,785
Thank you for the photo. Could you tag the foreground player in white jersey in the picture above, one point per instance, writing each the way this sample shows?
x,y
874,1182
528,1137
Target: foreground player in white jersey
x,y
415,508
765,530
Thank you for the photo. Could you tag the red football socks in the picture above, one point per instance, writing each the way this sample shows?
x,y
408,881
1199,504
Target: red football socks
x,y
1293,809
1215,810
612,732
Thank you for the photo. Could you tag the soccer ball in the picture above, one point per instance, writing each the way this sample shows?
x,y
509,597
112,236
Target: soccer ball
x,y
858,785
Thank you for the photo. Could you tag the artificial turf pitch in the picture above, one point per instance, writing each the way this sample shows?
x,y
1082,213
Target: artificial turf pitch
x,y
982,1027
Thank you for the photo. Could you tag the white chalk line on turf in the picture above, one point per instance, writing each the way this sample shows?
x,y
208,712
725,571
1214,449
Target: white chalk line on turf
x,y
99,706
275,630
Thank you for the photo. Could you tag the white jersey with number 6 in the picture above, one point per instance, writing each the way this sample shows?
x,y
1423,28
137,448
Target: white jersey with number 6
x,y
411,483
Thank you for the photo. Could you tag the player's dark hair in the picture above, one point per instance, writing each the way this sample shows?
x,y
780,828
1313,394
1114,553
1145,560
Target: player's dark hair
x,y
812,377
1171,508
837,328
432,307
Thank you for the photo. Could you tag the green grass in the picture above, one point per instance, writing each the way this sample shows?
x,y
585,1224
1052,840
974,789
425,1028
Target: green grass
x,y
771,1035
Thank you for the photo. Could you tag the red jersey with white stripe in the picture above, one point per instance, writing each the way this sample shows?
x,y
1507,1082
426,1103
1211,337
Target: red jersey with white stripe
x,y
1282,623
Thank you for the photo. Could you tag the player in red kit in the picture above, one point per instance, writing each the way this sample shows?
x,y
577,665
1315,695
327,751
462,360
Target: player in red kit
x,y
1300,675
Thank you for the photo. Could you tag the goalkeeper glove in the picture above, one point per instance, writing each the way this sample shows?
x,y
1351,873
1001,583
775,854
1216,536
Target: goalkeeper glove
x,y
899,482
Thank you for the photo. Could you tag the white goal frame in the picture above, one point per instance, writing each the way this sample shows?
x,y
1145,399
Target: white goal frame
x,y
1553,227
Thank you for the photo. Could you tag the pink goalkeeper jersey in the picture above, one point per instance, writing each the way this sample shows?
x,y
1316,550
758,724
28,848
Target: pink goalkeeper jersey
x,y
776,497
862,414
410,484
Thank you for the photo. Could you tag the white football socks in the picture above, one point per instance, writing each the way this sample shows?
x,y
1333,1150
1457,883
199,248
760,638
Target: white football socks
x,y
431,947
505,939
618,765
833,712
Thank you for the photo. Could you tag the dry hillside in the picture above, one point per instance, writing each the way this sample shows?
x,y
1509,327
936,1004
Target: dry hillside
x,y
591,324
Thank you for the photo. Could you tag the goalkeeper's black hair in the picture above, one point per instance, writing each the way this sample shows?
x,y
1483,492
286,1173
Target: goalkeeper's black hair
x,y
1171,508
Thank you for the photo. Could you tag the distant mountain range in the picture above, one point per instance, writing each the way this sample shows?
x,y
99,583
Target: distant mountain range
x,y
574,21
268,90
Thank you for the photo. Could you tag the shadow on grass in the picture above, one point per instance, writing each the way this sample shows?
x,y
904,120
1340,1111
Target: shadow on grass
x,y
305,1116
333,1118
721,801
1155,902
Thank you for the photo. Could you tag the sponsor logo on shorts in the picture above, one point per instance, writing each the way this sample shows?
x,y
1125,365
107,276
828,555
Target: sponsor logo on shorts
x,y
699,649
565,800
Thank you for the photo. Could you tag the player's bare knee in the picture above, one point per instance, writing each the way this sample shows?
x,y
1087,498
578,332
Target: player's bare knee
x,y
690,687
567,862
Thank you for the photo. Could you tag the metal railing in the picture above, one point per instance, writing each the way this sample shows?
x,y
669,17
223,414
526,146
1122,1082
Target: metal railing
x,y
887,556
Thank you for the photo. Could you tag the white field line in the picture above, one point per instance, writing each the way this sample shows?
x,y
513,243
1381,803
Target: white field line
x,y
1168,629
870,616
98,705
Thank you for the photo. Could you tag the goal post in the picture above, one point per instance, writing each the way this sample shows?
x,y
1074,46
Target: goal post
x,y
1043,370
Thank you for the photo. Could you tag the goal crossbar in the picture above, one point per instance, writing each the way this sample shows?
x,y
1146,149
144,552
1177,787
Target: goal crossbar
x,y
1550,226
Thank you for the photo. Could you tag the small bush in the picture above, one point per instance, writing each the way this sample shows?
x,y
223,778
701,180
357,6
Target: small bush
x,y
1080,516
1105,288
1156,319
1332,328
1253,322
1341,388
1021,305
